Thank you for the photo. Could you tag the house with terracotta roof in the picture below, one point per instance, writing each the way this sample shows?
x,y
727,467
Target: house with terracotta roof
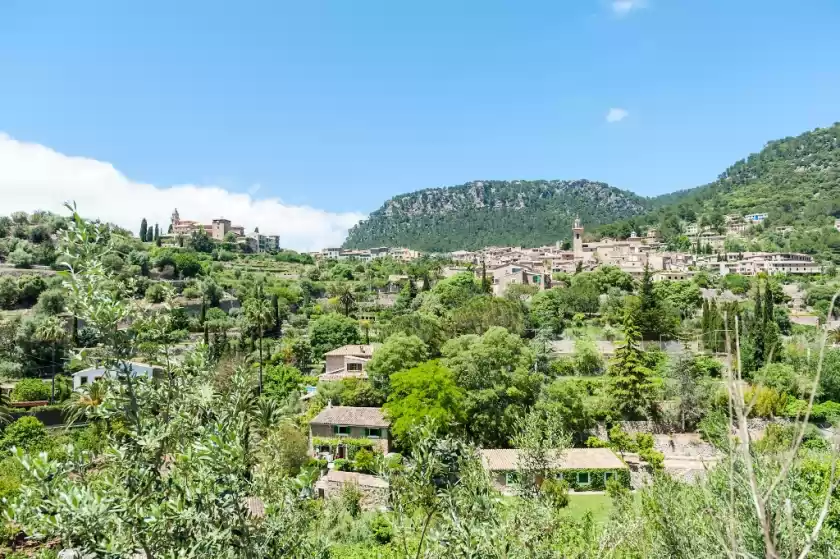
x,y
340,422
583,468
347,362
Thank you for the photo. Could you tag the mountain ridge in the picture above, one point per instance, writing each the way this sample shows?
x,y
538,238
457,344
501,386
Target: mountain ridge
x,y
486,212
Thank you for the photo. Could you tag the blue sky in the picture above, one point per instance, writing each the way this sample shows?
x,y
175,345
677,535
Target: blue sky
x,y
340,105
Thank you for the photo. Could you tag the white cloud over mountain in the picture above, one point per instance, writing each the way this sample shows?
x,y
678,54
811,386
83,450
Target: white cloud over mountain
x,y
35,177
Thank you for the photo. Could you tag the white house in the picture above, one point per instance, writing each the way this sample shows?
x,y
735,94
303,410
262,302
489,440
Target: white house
x,y
92,374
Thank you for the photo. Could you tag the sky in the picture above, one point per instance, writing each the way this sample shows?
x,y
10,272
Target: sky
x,y
303,117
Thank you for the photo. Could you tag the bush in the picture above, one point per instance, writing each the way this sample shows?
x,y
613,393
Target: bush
x,y
30,390
365,462
653,457
27,433
21,259
51,301
768,401
595,442
10,369
342,465
9,292
156,293
381,529
191,293
556,491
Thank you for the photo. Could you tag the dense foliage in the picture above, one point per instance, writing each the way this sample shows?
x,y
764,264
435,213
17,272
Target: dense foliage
x,y
485,213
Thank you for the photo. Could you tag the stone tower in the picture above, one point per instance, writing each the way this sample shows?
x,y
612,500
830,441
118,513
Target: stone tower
x,y
577,238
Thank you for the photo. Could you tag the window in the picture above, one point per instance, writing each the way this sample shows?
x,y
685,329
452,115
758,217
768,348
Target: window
x,y
354,367
373,433
83,380
511,478
341,430
608,476
583,478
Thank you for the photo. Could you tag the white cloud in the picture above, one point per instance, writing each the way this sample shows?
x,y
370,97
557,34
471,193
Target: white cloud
x,y
616,114
35,177
624,7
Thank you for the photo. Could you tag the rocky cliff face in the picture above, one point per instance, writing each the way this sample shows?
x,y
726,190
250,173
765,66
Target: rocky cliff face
x,y
482,213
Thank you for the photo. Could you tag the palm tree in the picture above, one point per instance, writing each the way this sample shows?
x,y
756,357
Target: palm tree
x,y
82,402
344,292
365,325
52,331
260,315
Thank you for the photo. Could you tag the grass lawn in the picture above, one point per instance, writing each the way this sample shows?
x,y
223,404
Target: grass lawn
x,y
581,503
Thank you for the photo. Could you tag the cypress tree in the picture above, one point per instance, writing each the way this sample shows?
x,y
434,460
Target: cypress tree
x,y
157,232
143,229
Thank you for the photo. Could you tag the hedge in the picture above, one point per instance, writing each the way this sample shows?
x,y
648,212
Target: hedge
x,y
352,445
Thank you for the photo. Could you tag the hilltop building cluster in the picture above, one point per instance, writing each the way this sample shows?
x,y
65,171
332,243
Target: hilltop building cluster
x,y
505,266
366,255
220,228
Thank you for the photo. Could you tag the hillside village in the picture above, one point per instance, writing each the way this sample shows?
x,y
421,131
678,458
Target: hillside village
x,y
561,372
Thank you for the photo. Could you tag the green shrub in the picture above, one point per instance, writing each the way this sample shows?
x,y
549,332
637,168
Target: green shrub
x,y
644,441
27,433
595,442
191,293
365,462
381,529
30,390
342,465
653,457
556,491
156,293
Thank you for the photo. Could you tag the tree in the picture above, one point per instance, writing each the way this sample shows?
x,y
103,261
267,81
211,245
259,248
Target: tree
x,y
425,326
483,312
343,291
496,373
687,383
143,228
282,380
258,314
282,454
426,394
548,310
398,353
200,241
330,331
83,404
157,233
653,318
566,401
52,331
632,385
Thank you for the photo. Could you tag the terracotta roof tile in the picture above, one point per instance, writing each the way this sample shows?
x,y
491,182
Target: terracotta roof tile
x,y
506,459
345,415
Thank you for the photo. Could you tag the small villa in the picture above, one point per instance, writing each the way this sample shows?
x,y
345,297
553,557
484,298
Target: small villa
x,y
337,423
582,468
92,374
347,362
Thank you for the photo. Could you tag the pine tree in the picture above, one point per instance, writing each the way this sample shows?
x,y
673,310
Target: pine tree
x,y
143,229
632,385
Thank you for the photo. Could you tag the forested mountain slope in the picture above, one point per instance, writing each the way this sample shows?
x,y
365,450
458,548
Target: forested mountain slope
x,y
794,180
483,213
